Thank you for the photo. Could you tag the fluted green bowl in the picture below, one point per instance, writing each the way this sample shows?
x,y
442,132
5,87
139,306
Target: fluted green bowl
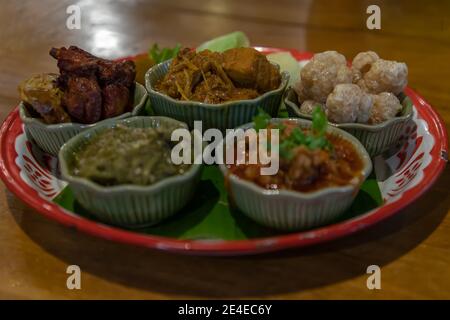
x,y
129,205
376,138
221,116
50,137
292,210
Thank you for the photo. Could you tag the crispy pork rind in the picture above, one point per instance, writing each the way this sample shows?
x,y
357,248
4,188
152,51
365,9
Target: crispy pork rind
x,y
308,106
322,74
347,104
385,76
385,106
43,95
301,92
362,63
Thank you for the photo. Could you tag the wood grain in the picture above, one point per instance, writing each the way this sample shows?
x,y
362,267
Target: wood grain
x,y
413,248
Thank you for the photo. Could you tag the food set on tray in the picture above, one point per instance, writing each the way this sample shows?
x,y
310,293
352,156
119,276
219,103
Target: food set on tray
x,y
92,146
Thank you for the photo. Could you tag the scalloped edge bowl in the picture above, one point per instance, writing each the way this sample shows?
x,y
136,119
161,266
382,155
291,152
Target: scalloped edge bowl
x,y
129,205
221,116
375,138
51,137
291,210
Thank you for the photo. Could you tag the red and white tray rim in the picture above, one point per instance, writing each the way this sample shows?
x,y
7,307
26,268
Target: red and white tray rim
x,y
10,174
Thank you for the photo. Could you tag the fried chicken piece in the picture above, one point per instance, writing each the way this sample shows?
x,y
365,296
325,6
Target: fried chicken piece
x,y
43,95
115,99
83,99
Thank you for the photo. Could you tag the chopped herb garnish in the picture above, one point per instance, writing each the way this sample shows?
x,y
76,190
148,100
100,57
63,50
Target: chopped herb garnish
x,y
261,120
162,54
316,139
319,120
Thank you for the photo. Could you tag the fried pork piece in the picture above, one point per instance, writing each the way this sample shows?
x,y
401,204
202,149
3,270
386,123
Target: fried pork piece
x,y
320,75
115,99
83,99
122,73
42,94
75,61
250,69
385,106
82,77
348,103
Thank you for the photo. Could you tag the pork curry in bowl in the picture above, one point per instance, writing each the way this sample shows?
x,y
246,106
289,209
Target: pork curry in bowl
x,y
223,90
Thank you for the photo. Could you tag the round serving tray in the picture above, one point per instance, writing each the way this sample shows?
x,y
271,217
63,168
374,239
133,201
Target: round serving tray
x,y
402,175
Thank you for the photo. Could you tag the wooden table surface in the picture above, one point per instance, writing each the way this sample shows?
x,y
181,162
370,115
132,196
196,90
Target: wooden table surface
x,y
412,248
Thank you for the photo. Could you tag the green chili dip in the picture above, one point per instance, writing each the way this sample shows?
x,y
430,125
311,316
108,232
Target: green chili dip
x,y
126,155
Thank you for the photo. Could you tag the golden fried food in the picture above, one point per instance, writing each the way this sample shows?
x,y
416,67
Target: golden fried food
x,y
94,88
42,94
348,103
376,75
365,93
362,63
386,76
320,75
385,106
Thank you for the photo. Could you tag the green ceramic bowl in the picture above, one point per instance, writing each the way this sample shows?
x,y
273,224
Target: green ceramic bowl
x,y
129,205
375,138
221,116
292,210
50,137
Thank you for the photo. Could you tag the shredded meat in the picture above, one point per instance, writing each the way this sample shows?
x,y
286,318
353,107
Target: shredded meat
x,y
213,77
